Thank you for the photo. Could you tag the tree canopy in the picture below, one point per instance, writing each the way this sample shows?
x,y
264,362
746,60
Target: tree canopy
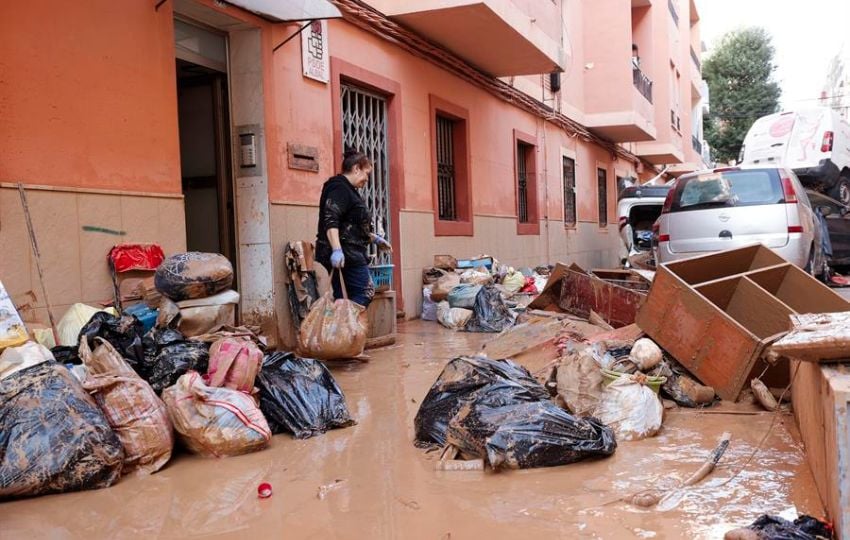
x,y
741,88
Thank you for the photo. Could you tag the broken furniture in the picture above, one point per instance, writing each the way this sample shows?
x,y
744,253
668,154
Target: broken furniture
x,y
381,314
129,265
717,313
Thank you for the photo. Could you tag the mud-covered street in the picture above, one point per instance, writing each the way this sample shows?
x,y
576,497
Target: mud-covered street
x,y
369,481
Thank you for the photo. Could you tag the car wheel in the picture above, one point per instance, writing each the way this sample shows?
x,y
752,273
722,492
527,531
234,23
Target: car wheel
x,y
841,191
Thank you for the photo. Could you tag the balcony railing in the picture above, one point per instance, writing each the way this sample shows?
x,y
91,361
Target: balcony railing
x,y
695,58
697,144
673,12
675,121
642,83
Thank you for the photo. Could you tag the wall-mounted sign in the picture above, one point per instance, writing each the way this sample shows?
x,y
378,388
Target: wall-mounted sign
x,y
315,56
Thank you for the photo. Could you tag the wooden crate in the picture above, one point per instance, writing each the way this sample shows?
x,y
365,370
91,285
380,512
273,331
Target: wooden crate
x,y
716,314
381,315
821,399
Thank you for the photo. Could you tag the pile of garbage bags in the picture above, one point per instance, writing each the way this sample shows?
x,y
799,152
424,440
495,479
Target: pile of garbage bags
x,y
484,298
115,399
495,410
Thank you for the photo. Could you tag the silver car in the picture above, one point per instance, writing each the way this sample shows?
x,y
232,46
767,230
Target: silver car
x,y
727,208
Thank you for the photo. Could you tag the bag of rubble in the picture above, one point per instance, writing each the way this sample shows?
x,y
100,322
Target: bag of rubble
x,y
443,286
53,437
131,407
453,318
768,527
169,355
631,408
185,276
215,422
579,380
476,277
527,435
503,381
489,313
429,307
124,333
300,396
463,296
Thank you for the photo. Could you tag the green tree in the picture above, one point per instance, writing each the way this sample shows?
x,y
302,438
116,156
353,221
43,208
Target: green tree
x,y
741,88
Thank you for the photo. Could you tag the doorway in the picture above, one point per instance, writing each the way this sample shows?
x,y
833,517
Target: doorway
x,y
204,120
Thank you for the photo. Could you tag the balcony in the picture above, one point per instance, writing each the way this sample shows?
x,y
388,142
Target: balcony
x,y
696,74
500,37
696,144
642,83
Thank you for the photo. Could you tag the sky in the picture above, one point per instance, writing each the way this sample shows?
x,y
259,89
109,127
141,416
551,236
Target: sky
x,y
806,35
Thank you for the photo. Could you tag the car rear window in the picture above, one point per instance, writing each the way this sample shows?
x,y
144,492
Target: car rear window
x,y
728,188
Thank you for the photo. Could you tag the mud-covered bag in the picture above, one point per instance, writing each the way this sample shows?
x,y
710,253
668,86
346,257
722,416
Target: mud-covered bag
x,y
463,296
459,380
300,396
579,381
215,422
169,355
631,408
333,329
53,437
544,435
131,407
193,275
489,312
234,363
124,333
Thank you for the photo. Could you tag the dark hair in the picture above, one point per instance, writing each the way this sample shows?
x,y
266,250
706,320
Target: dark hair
x,y
353,157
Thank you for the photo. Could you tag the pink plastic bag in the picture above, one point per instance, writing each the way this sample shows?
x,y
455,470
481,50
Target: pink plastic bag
x,y
234,363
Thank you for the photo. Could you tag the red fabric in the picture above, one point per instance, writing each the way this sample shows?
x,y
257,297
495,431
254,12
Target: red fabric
x,y
127,257
529,286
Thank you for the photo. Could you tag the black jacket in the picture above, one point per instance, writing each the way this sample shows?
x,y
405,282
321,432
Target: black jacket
x,y
341,207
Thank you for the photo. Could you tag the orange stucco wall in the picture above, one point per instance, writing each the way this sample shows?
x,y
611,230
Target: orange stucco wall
x,y
88,97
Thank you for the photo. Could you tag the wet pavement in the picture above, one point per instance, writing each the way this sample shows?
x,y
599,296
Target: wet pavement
x,y
369,481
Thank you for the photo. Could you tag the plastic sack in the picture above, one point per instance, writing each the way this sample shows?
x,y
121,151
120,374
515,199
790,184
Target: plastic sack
x,y
12,329
300,396
234,363
193,275
514,281
768,527
215,422
645,354
542,434
529,287
463,296
476,277
429,307
579,381
131,407
631,408
489,313
53,438
459,380
333,329
453,318
540,283
69,326
444,285
168,356
15,359
124,333
199,316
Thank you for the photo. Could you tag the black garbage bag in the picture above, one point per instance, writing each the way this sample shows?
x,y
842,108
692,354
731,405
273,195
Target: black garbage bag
x,y
184,276
53,437
168,355
776,528
459,380
489,313
66,355
300,396
124,333
544,435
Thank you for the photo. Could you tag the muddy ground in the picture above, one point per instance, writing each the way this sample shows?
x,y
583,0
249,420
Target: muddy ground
x,y
369,481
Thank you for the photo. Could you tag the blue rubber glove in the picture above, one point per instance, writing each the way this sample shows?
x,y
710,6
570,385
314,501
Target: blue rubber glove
x,y
382,243
337,258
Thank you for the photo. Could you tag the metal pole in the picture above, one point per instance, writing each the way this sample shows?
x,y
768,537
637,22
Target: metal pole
x,y
36,254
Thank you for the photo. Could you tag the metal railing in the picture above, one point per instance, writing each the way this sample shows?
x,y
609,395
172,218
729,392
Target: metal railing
x,y
642,83
522,181
697,144
675,121
446,169
695,58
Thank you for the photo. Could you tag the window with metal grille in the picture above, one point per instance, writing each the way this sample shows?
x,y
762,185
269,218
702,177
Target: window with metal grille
x,y
446,179
569,191
523,155
602,196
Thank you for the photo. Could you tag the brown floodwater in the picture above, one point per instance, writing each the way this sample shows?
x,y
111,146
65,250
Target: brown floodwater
x,y
369,481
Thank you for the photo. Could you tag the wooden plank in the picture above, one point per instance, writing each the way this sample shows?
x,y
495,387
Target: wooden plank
x,y
821,397
817,337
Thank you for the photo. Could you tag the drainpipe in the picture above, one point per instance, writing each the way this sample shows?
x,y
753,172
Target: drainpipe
x,y
546,183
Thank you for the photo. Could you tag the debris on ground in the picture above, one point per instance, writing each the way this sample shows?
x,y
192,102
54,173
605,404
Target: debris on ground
x,y
631,407
489,312
13,332
816,337
453,318
768,527
300,396
328,488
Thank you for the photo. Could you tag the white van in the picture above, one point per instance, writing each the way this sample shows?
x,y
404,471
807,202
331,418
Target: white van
x,y
814,142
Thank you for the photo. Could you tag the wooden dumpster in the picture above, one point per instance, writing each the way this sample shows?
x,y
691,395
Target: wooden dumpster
x,y
716,313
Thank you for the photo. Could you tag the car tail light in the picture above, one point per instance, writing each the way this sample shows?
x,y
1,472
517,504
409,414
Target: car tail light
x,y
826,144
623,222
795,229
668,201
788,191
663,238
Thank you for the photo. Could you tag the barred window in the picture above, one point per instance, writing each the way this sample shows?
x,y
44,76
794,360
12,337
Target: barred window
x,y
446,178
602,196
524,153
569,170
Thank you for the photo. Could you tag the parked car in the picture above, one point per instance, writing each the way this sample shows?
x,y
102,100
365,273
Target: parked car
x,y
726,208
838,225
637,209
814,142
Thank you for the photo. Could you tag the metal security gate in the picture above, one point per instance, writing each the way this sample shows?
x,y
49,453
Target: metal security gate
x,y
446,169
364,128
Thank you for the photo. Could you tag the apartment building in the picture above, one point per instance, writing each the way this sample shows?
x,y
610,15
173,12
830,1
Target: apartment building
x,y
496,126
836,88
